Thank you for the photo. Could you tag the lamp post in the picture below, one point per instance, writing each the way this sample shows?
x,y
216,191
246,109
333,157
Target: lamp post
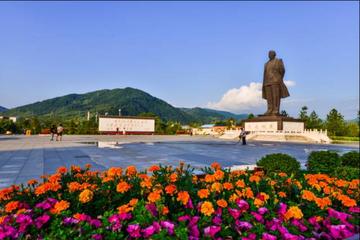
x,y
119,111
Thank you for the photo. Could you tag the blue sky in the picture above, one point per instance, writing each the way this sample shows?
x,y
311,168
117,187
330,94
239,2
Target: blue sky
x,y
207,54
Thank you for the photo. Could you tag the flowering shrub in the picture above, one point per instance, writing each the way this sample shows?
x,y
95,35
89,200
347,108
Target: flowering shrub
x,y
173,203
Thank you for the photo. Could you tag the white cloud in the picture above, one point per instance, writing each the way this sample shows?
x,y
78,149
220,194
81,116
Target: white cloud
x,y
240,99
289,83
247,98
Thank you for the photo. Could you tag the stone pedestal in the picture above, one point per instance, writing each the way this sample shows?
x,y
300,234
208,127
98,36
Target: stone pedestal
x,y
273,124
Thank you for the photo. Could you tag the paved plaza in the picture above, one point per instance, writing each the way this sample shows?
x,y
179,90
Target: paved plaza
x,y
27,157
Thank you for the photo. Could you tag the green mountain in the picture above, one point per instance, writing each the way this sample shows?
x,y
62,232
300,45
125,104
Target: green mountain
x,y
206,115
3,109
131,102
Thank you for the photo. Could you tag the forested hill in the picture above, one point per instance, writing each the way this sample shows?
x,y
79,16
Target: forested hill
x,y
2,109
131,102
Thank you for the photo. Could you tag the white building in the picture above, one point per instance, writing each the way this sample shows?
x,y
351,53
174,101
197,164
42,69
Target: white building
x,y
13,119
125,125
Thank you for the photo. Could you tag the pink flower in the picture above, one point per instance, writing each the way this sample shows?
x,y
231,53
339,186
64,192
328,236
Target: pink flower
x,y
97,237
242,204
217,220
95,223
235,213
169,226
134,230
258,217
251,236
338,215
242,225
282,209
149,231
268,236
189,204
40,221
211,231
263,210
299,225
354,209
340,232
152,209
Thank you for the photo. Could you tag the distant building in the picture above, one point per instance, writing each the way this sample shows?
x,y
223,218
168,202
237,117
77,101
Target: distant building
x,y
13,119
126,125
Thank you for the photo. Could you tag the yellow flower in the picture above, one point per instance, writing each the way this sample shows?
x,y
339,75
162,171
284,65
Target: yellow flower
x,y
293,212
86,196
207,208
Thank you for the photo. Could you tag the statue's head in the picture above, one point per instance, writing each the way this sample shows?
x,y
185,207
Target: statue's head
x,y
272,54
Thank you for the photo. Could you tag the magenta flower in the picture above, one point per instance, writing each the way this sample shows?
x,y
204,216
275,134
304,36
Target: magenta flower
x,y
24,221
282,209
169,226
134,230
84,217
251,236
95,223
273,224
258,217
184,218
242,225
242,204
189,204
299,225
46,204
314,223
149,231
217,220
354,209
340,232
40,221
235,213
268,236
151,207
263,210
211,231
70,220
338,215
97,237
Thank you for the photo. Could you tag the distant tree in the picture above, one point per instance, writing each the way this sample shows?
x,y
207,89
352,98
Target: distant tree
x,y
250,116
303,113
284,113
230,123
335,123
352,129
314,122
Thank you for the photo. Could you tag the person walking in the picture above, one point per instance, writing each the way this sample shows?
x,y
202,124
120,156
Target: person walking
x,y
60,131
53,131
243,136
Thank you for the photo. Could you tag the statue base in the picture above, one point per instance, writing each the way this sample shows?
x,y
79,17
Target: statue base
x,y
274,123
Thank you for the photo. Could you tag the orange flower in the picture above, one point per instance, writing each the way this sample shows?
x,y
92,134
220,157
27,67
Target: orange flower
x,y
341,183
170,189
62,170
293,212
123,187
32,182
183,197
203,193
209,178
233,197
228,186
75,169
215,165
240,183
219,174
11,206
131,170
282,174
254,178
114,172
60,206
308,195
165,210
74,186
222,203
133,202
282,194
173,177
323,202
86,196
107,179
216,187
154,168
124,209
5,194
248,193
347,201
48,186
154,196
146,183
258,202
207,208
272,183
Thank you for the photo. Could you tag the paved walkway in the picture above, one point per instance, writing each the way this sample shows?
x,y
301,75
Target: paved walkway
x,y
27,157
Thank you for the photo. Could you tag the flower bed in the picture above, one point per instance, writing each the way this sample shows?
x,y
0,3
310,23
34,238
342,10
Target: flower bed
x,y
173,203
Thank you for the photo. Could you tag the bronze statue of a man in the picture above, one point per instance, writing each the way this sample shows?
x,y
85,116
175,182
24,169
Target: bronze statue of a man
x,y
273,84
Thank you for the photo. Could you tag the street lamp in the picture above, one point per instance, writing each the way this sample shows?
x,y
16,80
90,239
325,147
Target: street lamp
x,y
119,111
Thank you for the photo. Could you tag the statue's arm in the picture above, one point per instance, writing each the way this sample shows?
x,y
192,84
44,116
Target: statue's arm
x,y
282,68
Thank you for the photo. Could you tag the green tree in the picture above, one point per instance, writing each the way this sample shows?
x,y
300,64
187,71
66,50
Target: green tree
x,y
352,129
335,123
303,114
250,116
314,122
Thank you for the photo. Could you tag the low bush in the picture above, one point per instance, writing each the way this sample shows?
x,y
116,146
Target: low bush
x,y
279,162
350,159
348,173
323,162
